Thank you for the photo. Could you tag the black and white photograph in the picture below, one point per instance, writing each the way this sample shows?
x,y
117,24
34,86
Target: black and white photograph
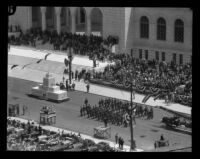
x,y
99,79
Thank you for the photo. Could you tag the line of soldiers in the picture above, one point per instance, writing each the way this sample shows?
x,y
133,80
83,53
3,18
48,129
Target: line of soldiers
x,y
113,111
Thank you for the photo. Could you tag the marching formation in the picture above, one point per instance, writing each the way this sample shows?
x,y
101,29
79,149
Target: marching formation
x,y
114,111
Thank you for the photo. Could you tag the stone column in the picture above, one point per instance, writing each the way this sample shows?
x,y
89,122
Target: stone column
x,y
73,25
88,25
58,12
43,11
29,18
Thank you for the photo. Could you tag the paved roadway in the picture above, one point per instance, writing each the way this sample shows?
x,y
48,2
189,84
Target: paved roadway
x,y
68,116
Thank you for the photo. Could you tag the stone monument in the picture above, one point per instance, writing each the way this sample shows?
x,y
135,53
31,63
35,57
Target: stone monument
x,y
49,90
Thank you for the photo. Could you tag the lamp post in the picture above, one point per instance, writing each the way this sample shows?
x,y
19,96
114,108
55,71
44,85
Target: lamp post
x,y
131,83
70,57
133,145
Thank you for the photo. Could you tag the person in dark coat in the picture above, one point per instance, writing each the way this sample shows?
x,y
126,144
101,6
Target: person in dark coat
x,y
72,75
162,137
86,101
122,142
88,87
73,86
67,86
106,121
119,142
116,138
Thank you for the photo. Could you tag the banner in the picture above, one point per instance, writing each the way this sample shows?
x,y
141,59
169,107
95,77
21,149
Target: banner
x,y
183,98
141,88
127,118
127,84
154,90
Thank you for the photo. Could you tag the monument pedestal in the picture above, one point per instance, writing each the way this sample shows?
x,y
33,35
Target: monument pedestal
x,y
102,132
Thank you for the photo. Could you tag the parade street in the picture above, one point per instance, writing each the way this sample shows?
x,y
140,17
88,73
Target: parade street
x,y
68,113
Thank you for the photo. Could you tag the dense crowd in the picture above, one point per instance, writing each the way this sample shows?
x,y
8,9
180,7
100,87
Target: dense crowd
x,y
92,46
14,28
113,111
29,139
161,77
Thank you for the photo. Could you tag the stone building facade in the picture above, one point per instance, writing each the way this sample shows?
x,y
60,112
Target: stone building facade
x,y
161,33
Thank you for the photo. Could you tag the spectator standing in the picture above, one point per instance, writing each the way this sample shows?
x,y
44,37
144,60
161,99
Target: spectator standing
x,y
116,138
67,87
63,79
119,142
72,75
88,87
122,143
86,101
73,86
105,121
24,110
162,137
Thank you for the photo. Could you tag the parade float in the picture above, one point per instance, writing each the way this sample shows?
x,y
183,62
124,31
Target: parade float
x,y
49,90
47,116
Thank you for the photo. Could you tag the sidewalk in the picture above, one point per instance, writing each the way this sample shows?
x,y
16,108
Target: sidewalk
x,y
37,76
40,54
58,130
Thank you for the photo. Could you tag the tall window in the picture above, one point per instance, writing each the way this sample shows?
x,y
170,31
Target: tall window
x,y
174,57
49,12
163,56
146,54
82,14
140,53
144,27
35,14
179,31
157,56
63,16
181,59
161,29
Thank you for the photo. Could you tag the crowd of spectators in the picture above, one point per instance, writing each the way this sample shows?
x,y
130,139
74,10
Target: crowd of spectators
x,y
14,28
34,138
92,46
149,75
166,77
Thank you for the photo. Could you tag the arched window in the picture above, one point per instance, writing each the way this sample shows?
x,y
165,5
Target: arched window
x,y
63,16
144,27
161,29
179,31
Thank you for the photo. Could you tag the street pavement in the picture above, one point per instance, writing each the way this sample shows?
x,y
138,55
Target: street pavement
x,y
36,73
68,117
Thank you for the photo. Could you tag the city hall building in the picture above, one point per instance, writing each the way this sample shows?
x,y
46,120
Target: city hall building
x,y
164,34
